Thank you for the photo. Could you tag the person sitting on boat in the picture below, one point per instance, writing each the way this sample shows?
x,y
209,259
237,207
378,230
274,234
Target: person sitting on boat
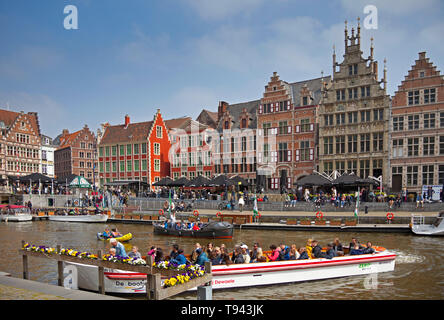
x,y
196,227
309,248
353,243
245,253
107,233
175,251
369,249
159,255
180,258
294,254
115,233
216,257
237,255
202,257
331,253
284,253
303,254
317,250
152,252
337,246
120,249
356,250
225,257
254,252
274,256
135,254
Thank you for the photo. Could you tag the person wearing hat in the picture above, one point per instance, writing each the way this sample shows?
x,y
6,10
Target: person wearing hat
x,y
245,253
120,249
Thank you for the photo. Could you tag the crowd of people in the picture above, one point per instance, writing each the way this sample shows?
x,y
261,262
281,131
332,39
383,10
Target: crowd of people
x,y
241,253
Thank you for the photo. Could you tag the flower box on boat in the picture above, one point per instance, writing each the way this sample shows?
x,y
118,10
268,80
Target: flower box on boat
x,y
292,222
320,222
305,222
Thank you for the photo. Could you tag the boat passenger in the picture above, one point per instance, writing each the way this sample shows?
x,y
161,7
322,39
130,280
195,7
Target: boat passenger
x,y
303,254
317,250
180,258
152,252
309,248
274,253
159,255
253,253
237,255
175,251
356,250
196,227
135,254
294,254
210,248
331,253
120,249
337,246
194,254
245,253
369,249
202,257
284,253
115,233
225,256
216,257
260,256
107,233
355,242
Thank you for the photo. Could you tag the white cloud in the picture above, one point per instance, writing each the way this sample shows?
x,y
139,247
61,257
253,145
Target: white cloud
x,y
398,8
218,10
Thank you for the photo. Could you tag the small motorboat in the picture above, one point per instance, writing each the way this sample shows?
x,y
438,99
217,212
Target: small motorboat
x,y
14,213
124,238
79,216
418,226
214,230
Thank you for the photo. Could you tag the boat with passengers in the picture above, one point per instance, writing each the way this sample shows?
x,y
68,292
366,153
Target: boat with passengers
x,y
251,274
76,215
15,213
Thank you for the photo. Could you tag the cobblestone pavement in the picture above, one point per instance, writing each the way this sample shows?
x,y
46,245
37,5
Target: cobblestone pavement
x,y
12,293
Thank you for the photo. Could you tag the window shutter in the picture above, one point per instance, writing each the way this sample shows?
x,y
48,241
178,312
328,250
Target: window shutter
x,y
259,132
289,155
289,129
288,105
289,183
297,155
311,127
260,109
276,107
298,129
259,157
274,156
311,154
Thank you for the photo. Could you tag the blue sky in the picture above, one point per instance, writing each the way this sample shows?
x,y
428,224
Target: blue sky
x,y
185,55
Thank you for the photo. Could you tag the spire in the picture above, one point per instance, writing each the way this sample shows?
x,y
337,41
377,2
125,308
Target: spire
x,y
385,74
334,59
371,48
359,31
346,34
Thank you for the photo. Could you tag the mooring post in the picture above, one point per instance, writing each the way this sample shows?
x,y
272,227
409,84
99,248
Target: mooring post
x,y
59,268
149,286
101,275
205,292
25,263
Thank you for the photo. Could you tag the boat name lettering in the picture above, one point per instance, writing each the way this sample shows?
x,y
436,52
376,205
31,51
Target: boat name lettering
x,y
223,281
364,265
130,284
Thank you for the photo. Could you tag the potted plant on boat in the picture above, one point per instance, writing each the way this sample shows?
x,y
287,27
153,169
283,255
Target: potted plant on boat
x,y
320,222
335,222
351,221
292,221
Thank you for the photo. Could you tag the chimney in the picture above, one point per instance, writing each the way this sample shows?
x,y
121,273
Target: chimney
x,y
127,121
422,55
221,109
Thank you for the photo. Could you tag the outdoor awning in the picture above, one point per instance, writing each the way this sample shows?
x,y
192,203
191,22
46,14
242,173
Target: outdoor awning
x,y
239,181
80,182
179,182
199,181
353,180
313,180
126,183
164,182
221,180
35,177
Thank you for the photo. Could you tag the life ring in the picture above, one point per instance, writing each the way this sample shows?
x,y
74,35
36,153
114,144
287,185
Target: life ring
x,y
379,249
219,214
259,214
195,213
161,213
319,215
390,216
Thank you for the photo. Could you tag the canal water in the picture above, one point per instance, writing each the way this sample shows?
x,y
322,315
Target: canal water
x,y
419,269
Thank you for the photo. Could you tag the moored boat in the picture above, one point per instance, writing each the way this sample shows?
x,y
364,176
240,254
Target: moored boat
x,y
215,230
79,217
14,213
418,226
251,274
124,238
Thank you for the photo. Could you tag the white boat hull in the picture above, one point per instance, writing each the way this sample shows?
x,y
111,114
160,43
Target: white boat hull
x,y
427,230
16,218
253,274
80,218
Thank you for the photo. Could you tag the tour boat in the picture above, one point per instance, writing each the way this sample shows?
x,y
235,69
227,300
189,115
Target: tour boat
x,y
250,274
215,230
418,226
80,217
15,213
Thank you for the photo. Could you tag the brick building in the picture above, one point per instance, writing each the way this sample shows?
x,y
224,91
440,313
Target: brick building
x,y
47,156
287,125
76,154
134,151
20,141
354,115
417,142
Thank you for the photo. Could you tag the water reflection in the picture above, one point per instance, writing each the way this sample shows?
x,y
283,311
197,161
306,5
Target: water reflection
x,y
418,272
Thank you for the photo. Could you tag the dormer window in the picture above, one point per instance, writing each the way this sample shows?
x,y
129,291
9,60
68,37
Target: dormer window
x,y
226,125
305,101
244,123
274,88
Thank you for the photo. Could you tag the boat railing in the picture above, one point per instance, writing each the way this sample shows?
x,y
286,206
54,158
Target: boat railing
x,y
418,220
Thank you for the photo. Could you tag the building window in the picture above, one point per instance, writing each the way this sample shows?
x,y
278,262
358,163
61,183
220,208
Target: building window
x,y
328,145
128,149
429,95
156,149
106,151
353,117
157,165
365,142
413,97
398,123
441,174
122,166
266,127
429,120
352,69
136,149
305,125
101,152
413,147
143,148
352,143
428,145
364,168
413,122
244,144
226,125
283,127
340,95
377,167
340,166
412,175
305,151
114,166
244,123
340,144
328,167
427,175
328,119
340,118
352,166
305,101
129,165
158,131
114,150
122,150
398,148
144,165
378,141
136,165
365,116
441,145
365,91
283,152
101,167
378,114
